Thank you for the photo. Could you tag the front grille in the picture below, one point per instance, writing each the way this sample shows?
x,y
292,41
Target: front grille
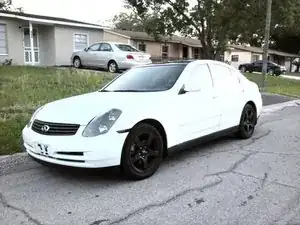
x,y
47,128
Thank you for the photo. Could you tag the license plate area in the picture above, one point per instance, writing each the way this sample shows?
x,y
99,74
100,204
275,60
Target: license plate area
x,y
43,149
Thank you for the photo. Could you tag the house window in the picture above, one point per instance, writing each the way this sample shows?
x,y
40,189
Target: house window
x,y
142,47
165,51
80,41
234,58
255,58
3,44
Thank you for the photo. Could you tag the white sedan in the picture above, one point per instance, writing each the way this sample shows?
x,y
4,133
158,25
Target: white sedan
x,y
138,117
112,56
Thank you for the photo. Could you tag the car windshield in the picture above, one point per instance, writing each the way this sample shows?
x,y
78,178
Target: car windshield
x,y
126,48
147,79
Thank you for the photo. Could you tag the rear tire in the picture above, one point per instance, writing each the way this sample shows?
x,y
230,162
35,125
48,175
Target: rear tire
x,y
112,67
142,152
247,122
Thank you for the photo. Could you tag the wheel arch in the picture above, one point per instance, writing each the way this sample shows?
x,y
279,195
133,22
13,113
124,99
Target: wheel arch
x,y
76,57
155,123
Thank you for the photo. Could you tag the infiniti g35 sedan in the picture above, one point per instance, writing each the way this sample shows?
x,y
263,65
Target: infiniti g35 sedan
x,y
134,120
111,56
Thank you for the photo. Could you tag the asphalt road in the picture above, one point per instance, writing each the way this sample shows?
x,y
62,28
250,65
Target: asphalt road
x,y
227,181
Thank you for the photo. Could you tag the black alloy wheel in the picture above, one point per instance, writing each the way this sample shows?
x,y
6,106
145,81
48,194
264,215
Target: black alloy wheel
x,y
248,122
142,153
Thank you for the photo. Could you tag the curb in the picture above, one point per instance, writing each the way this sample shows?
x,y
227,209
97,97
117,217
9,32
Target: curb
x,y
11,163
280,106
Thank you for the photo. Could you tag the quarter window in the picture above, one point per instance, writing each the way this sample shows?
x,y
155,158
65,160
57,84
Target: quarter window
x,y
80,41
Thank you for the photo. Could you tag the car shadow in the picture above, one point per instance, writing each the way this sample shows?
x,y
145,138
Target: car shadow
x,y
113,175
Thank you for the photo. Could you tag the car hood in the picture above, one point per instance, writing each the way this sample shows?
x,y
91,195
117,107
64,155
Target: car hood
x,y
82,108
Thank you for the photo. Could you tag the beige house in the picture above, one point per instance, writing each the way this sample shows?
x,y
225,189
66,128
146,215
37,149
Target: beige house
x,y
41,40
168,48
240,54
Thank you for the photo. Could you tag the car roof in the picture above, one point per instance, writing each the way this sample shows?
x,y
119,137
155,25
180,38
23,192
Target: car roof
x,y
185,63
111,42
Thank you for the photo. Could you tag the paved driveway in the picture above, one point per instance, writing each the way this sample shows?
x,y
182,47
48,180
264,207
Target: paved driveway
x,y
227,181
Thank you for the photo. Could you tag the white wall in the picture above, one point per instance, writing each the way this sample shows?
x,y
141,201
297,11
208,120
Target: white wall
x,y
64,41
244,57
14,41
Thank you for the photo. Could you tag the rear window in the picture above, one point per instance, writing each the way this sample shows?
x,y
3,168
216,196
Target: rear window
x,y
126,48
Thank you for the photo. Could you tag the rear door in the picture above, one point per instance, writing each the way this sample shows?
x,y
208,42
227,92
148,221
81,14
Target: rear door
x,y
228,94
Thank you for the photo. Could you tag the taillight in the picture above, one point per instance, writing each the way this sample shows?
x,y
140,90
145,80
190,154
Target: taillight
x,y
129,57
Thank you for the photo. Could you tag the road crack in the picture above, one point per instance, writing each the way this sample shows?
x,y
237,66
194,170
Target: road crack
x,y
233,167
171,199
267,181
28,216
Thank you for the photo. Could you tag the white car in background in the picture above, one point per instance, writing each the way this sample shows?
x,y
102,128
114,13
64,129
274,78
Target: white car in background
x,y
111,56
136,119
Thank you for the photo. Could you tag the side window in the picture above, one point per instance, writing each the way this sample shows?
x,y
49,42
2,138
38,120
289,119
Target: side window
x,y
201,78
94,47
222,77
105,47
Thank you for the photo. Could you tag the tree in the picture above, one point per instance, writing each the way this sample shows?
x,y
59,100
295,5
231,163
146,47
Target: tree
x,y
216,22
128,21
5,5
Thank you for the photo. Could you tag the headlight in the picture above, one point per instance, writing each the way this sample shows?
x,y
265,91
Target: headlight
x,y
101,124
33,116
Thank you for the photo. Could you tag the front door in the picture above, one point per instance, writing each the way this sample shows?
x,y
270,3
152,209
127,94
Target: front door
x,y
28,58
199,115
104,54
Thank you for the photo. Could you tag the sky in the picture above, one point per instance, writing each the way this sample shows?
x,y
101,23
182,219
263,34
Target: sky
x,y
93,11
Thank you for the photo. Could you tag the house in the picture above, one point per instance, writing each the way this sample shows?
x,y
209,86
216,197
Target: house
x,y
166,48
50,40
239,54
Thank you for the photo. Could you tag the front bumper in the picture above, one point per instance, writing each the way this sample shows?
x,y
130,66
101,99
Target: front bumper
x,y
75,151
127,64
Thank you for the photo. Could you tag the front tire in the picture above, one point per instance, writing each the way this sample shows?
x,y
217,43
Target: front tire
x,y
77,62
247,122
271,72
243,69
142,153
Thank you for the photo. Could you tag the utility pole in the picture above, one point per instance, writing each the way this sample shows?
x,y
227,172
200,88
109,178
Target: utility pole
x,y
266,44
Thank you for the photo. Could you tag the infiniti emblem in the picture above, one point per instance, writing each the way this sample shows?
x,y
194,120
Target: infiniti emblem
x,y
45,128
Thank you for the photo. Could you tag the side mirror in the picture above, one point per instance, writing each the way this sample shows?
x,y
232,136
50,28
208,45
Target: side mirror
x,y
86,49
189,88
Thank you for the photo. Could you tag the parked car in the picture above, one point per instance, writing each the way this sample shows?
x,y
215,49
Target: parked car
x,y
137,118
111,56
256,66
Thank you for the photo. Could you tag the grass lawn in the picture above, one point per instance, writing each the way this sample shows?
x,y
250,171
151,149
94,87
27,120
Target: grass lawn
x,y
23,89
277,85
